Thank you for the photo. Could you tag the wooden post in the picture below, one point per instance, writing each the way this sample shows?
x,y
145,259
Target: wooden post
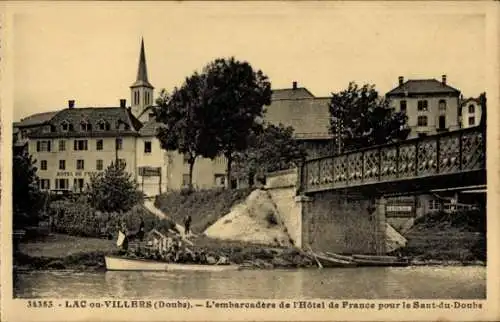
x,y
142,177
438,148
159,170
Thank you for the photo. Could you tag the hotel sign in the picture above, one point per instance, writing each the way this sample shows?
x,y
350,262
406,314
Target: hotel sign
x,y
76,174
150,171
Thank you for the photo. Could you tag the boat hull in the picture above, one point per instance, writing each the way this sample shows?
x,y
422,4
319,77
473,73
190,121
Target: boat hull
x,y
330,262
114,263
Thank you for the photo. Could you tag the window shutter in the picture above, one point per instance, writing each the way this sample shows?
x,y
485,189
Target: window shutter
x,y
37,146
48,145
75,145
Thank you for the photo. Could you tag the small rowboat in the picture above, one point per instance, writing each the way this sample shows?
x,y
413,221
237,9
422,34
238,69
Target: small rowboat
x,y
328,261
373,260
115,263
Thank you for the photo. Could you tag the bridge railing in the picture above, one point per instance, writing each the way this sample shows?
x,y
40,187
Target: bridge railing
x,y
443,153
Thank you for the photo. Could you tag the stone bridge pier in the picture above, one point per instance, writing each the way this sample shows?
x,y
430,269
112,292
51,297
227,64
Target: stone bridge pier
x,y
343,223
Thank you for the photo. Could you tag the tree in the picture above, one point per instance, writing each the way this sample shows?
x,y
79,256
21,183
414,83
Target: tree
x,y
235,98
185,118
26,195
113,190
361,118
271,150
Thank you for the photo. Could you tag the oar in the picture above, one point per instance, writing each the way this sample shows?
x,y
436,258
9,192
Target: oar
x,y
314,255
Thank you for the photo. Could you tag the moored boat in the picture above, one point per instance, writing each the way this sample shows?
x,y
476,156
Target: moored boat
x,y
374,260
116,263
328,261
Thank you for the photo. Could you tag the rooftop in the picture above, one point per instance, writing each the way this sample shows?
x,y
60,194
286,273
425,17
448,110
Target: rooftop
x,y
291,93
36,119
310,117
119,119
423,86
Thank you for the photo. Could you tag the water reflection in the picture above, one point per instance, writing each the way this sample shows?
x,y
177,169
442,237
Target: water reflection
x,y
353,283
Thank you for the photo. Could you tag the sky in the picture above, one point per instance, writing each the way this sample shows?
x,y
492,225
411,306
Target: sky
x,y
89,51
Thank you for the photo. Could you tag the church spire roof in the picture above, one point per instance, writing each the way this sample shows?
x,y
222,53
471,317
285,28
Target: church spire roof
x,y
142,71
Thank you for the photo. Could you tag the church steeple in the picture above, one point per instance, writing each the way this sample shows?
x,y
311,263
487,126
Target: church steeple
x,y
141,89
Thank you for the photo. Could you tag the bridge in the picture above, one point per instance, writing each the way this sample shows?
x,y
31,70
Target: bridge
x,y
448,159
342,202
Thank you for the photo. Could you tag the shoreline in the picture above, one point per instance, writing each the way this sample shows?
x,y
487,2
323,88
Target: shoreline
x,y
92,262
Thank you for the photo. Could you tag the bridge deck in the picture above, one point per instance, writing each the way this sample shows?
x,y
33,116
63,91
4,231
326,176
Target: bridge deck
x,y
444,160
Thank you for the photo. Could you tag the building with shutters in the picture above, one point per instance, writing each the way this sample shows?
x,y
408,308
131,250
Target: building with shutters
x,y
78,142
470,112
432,106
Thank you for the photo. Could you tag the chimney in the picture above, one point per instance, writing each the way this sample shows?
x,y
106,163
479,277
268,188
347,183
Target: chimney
x,y
401,80
443,79
123,103
294,84
71,103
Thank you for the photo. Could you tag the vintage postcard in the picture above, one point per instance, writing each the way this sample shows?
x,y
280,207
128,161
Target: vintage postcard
x,y
278,161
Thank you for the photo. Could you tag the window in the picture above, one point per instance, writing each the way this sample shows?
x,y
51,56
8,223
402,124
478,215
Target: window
x,y
472,109
422,106
402,106
136,98
220,179
98,164
422,120
62,164
442,106
472,120
119,144
186,157
80,165
43,146
43,165
78,184
122,163
99,145
434,205
62,184
185,180
104,125
442,122
44,184
65,126
147,147
85,126
80,145
62,145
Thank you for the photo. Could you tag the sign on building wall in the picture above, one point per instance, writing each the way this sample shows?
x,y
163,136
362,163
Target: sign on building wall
x,y
400,209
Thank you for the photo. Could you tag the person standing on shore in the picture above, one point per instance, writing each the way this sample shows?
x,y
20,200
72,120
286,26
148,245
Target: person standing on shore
x,y
187,224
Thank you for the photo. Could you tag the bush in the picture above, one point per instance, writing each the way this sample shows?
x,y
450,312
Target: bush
x,y
113,190
466,220
78,218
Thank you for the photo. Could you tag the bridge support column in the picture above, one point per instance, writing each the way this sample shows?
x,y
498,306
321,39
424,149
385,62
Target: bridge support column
x,y
380,225
302,203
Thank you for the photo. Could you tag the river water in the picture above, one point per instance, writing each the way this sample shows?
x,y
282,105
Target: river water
x,y
351,283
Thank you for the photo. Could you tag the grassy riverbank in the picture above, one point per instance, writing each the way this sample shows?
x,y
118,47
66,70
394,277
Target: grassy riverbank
x,y
454,238
205,206
60,251
80,253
